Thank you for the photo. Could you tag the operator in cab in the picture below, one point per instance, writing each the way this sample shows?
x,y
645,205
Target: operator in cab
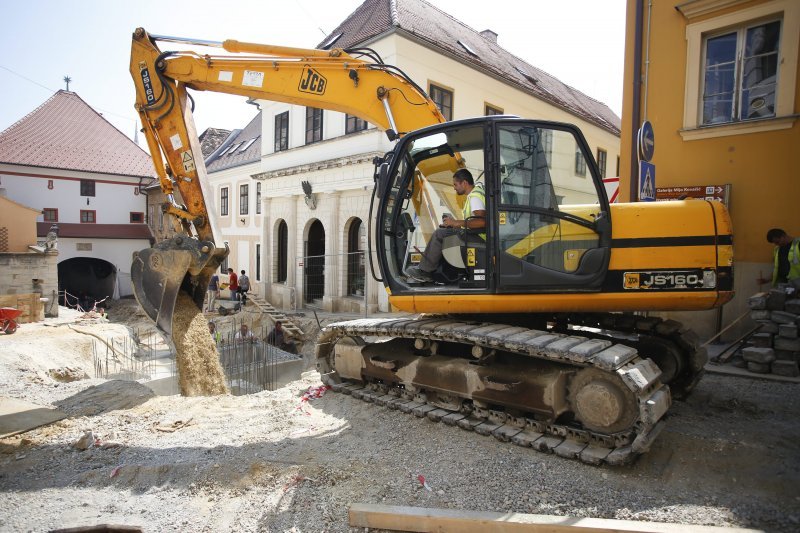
x,y
474,217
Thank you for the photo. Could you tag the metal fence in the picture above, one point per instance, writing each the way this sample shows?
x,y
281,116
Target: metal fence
x,y
250,364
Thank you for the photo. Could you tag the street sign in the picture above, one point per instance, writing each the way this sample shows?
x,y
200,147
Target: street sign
x,y
704,192
647,182
646,141
612,189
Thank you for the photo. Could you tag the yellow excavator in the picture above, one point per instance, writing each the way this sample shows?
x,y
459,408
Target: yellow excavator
x,y
534,328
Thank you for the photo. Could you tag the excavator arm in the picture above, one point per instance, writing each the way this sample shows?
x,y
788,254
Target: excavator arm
x,y
355,82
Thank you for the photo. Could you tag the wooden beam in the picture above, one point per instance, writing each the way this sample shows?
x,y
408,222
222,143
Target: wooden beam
x,y
401,518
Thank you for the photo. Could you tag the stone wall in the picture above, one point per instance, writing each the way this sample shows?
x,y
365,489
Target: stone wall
x,y
27,276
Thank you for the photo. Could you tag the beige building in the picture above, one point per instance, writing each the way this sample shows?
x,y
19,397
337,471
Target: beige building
x,y
315,171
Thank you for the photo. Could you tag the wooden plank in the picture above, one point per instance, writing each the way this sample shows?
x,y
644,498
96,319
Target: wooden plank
x,y
402,518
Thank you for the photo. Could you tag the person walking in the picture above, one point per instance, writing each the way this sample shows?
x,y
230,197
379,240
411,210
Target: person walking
x,y
213,292
244,286
233,284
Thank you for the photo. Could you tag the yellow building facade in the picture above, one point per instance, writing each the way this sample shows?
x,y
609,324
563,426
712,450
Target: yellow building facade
x,y
718,81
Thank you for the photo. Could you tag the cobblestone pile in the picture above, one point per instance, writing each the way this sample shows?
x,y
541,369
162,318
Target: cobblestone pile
x,y
775,348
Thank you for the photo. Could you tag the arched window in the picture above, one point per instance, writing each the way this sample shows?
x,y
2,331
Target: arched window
x,y
282,257
356,244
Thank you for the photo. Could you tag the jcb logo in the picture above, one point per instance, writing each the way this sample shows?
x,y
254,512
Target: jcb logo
x,y
313,82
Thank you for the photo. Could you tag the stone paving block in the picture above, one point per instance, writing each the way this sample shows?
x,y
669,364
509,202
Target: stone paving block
x,y
786,368
787,331
786,355
792,306
758,368
776,299
767,326
758,355
792,345
762,340
782,317
757,301
760,314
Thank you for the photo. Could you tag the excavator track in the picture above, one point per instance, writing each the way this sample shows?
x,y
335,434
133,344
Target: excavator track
x,y
612,399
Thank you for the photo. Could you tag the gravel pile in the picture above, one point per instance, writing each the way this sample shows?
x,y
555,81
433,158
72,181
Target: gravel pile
x,y
273,461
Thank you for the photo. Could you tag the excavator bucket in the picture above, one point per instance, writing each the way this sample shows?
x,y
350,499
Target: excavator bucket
x,y
160,272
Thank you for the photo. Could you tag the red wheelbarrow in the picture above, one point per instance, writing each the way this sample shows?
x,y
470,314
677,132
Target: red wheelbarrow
x,y
7,316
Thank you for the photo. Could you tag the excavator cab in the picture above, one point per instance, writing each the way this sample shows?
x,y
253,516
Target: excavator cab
x,y
547,226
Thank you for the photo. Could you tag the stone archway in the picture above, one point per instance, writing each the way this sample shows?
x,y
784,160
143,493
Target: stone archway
x,y
87,279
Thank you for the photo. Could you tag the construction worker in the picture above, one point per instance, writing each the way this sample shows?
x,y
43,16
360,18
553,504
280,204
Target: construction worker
x,y
474,210
786,257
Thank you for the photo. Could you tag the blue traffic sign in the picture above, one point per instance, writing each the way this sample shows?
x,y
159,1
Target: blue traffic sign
x,y
646,141
647,181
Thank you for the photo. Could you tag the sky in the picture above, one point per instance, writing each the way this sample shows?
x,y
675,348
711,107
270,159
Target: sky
x,y
581,42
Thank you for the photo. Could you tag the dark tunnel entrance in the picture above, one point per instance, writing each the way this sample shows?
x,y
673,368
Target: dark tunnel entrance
x,y
85,280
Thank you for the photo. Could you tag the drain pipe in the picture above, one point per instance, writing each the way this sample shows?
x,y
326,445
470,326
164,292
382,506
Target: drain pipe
x,y
636,105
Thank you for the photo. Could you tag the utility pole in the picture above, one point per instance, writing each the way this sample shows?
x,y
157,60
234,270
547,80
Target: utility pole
x,y
67,79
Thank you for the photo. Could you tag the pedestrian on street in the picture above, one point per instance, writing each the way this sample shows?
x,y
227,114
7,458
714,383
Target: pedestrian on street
x,y
213,292
233,284
244,286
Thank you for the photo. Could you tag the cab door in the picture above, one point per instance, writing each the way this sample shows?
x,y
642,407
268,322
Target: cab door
x,y
553,229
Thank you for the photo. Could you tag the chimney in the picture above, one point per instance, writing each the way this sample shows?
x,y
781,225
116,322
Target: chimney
x,y
489,35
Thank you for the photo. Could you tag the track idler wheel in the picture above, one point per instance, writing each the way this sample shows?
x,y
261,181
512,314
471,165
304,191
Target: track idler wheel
x,y
602,402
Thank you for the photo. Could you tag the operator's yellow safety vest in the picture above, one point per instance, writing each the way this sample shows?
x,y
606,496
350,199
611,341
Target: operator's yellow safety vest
x,y
466,211
794,262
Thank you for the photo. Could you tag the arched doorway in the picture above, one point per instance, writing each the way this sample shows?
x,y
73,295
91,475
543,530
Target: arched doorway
x,y
314,264
86,280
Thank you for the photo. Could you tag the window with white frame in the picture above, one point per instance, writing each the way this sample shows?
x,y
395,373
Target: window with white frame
x,y
741,67
258,198
244,199
740,73
223,201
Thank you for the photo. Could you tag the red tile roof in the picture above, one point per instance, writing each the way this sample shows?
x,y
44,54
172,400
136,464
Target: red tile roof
x,y
441,32
66,133
97,231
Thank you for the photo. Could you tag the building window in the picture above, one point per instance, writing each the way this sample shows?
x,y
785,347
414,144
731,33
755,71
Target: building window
x,y
137,218
223,201
580,163
489,110
282,257
740,73
87,188
244,199
356,237
88,217
50,214
353,124
313,125
258,262
258,198
601,161
282,131
740,68
443,99
224,265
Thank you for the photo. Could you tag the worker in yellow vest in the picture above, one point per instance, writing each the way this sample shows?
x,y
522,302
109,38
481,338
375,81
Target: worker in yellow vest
x,y
786,257
474,210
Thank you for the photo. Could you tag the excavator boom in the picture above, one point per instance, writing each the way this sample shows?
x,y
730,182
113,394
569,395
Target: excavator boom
x,y
329,79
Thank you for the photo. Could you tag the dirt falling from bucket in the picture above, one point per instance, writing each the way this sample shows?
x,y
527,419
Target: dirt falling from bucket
x,y
199,370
